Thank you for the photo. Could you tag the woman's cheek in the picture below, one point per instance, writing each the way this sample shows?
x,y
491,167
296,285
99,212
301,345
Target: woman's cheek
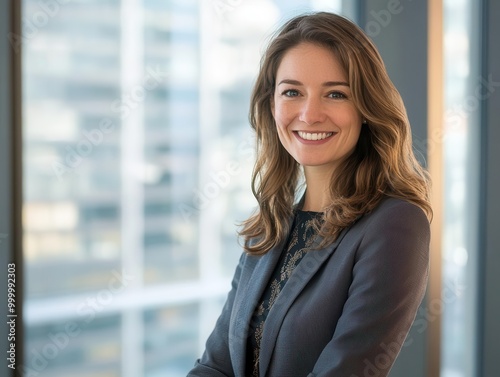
x,y
283,117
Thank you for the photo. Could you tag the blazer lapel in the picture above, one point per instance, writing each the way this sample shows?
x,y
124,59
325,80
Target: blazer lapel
x,y
305,270
246,302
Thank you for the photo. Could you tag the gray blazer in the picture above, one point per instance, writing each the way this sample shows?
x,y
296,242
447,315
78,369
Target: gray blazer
x,y
344,312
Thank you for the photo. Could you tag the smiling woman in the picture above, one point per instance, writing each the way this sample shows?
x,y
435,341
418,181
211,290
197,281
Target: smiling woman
x,y
330,280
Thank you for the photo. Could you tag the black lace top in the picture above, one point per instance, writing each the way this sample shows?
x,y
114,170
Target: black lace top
x,y
300,240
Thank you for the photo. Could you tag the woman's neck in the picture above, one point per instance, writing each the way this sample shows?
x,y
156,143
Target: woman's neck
x,y
317,192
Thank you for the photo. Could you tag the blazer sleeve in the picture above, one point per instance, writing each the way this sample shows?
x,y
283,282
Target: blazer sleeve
x,y
216,361
389,279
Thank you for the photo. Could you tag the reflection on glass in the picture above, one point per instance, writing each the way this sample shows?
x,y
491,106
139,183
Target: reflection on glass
x,y
137,164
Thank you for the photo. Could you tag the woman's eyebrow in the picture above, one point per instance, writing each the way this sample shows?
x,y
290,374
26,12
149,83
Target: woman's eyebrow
x,y
335,83
328,83
291,82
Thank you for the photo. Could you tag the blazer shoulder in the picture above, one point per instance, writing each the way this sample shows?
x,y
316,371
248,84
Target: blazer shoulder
x,y
392,216
398,209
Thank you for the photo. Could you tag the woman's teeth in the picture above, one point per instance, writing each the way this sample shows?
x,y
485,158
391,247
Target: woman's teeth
x,y
314,136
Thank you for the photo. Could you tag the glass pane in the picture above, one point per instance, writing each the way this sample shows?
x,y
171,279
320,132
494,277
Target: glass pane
x,y
137,164
170,43
71,166
463,92
74,347
170,340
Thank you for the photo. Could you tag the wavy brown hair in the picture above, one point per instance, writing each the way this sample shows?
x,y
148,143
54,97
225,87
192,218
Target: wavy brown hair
x,y
382,163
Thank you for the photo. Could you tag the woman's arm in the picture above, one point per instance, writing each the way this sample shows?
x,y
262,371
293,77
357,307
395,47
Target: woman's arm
x,y
389,281
216,361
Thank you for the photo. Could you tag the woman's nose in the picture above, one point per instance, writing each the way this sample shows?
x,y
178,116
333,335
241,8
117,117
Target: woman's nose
x,y
312,112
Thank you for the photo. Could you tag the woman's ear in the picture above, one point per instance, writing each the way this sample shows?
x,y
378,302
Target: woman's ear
x,y
271,100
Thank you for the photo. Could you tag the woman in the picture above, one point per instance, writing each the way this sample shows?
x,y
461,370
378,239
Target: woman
x,y
328,285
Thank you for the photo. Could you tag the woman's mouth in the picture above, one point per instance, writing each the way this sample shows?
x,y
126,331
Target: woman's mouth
x,y
314,135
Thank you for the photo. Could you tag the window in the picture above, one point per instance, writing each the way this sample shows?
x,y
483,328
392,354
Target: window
x,y
137,163
463,92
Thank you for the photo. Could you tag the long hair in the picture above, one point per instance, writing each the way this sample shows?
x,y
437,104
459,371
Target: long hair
x,y
382,164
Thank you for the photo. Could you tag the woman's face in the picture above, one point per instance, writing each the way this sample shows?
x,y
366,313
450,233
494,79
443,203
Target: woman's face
x,y
316,119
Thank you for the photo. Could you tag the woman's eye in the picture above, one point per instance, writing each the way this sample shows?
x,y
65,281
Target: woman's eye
x,y
290,93
337,95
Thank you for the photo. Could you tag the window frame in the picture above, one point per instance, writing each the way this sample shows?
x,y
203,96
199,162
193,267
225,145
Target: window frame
x,y
11,183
